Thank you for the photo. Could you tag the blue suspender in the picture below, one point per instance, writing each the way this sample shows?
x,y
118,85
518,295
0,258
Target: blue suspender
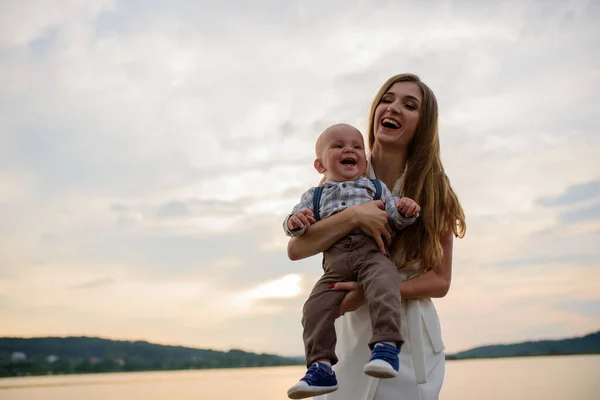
x,y
317,202
377,189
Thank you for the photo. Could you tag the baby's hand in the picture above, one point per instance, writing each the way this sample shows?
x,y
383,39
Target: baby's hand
x,y
408,207
301,219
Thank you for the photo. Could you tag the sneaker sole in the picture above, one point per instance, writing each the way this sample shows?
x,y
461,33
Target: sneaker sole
x,y
380,371
302,393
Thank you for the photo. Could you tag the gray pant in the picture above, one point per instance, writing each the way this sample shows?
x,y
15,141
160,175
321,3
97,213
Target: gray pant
x,y
354,258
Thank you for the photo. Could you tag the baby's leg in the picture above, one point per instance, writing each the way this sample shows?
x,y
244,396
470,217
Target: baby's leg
x,y
318,317
323,305
319,314
381,283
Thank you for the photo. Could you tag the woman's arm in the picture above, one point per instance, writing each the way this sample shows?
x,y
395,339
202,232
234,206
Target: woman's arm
x,y
321,236
369,217
432,283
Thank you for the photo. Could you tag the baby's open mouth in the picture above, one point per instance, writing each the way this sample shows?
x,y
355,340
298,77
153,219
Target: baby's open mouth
x,y
390,123
348,161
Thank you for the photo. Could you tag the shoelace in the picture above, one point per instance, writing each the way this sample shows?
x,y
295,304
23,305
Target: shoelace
x,y
314,373
386,353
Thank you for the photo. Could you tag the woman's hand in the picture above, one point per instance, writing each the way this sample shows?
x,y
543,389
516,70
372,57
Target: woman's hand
x,y
353,299
372,219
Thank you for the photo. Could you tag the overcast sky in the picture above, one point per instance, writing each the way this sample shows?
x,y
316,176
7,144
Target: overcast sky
x,y
149,151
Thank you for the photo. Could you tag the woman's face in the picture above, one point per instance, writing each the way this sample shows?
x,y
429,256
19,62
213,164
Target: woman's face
x,y
397,115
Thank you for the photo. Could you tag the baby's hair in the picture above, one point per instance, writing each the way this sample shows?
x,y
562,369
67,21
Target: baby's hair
x,y
318,144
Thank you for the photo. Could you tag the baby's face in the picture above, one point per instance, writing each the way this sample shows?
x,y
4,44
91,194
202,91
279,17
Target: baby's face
x,y
341,153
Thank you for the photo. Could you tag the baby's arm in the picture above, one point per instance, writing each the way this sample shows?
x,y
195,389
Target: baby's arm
x,y
393,205
301,217
408,207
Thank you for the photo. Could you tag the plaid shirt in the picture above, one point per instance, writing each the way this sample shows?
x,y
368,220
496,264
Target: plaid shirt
x,y
338,196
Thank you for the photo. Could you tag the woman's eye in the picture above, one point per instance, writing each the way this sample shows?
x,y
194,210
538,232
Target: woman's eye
x,y
411,107
386,100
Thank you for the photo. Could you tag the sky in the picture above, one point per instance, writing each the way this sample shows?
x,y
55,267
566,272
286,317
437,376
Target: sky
x,y
150,150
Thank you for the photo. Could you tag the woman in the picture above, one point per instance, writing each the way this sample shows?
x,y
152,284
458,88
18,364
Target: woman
x,y
405,155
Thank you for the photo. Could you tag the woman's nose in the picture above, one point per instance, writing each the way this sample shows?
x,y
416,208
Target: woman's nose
x,y
394,108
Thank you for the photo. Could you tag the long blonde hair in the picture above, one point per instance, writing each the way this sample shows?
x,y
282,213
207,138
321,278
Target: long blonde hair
x,y
425,182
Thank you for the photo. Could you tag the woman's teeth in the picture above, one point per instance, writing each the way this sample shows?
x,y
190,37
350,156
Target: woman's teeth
x,y
390,123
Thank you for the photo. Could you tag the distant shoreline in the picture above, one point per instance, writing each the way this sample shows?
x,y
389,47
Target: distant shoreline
x,y
57,356
450,358
83,374
588,344
85,355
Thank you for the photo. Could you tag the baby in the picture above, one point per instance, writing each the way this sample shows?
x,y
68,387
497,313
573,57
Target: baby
x,y
341,158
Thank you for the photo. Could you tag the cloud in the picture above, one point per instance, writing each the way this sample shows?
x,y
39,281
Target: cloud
x,y
173,209
584,308
284,287
25,21
95,283
197,207
550,260
574,194
590,213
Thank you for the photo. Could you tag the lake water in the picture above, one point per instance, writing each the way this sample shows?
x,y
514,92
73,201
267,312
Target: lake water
x,y
548,378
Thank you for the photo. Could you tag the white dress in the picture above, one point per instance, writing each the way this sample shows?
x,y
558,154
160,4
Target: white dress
x,y
422,359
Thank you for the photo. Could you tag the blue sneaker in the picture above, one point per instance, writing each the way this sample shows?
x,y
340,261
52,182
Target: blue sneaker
x,y
319,379
384,361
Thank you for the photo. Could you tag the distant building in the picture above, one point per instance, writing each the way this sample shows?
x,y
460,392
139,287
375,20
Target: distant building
x,y
119,361
95,360
51,359
17,356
